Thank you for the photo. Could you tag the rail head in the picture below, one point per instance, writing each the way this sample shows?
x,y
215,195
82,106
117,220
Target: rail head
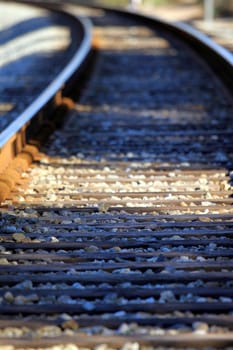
x,y
225,54
210,49
216,56
55,86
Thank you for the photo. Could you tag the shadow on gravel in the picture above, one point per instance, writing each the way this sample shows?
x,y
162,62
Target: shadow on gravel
x,y
150,100
93,207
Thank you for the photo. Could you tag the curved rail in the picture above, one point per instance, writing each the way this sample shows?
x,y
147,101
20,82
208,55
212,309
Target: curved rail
x,y
211,51
99,242
216,55
55,87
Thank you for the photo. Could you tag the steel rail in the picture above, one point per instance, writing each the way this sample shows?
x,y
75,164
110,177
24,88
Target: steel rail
x,y
182,29
218,57
131,222
56,85
205,40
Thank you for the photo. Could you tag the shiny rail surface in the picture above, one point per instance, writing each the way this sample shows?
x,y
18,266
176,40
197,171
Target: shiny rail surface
x,y
10,146
216,55
119,235
53,88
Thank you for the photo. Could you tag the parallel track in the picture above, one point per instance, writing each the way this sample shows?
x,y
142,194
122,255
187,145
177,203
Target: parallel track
x,y
120,232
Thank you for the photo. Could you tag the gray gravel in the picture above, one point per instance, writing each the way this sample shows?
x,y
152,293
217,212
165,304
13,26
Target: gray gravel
x,y
141,155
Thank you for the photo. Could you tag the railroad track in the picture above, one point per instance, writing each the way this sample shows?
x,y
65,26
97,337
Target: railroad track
x,y
119,233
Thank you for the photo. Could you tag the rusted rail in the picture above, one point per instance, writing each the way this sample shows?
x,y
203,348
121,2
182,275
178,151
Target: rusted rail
x,y
120,232
16,140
